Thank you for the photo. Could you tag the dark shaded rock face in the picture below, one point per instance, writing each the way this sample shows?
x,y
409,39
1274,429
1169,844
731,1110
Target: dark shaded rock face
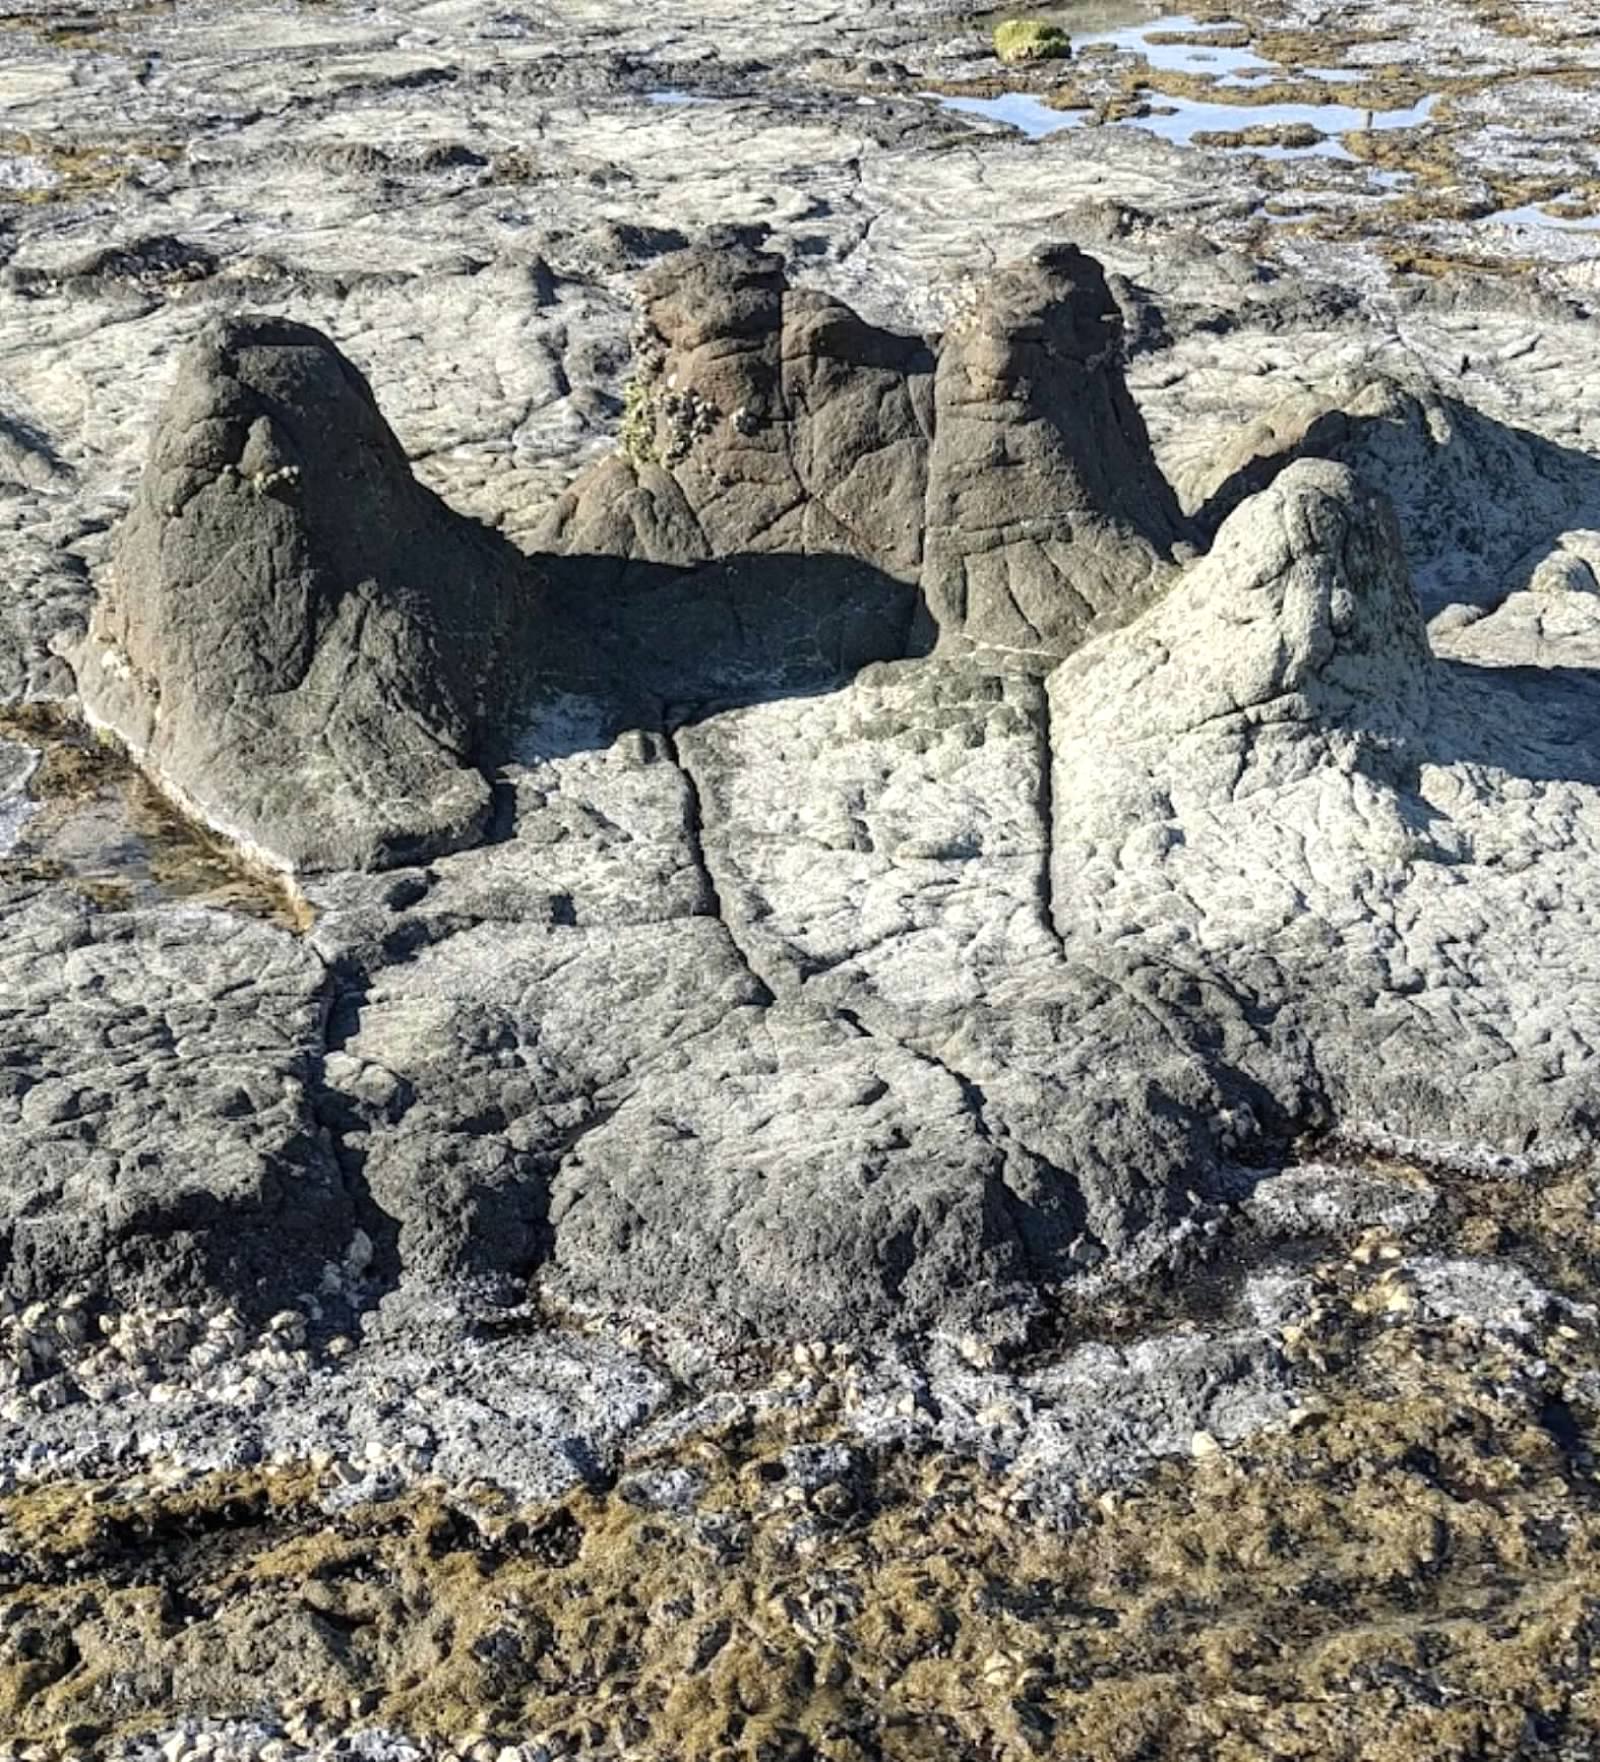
x,y
300,641
761,419
1004,472
760,531
1047,516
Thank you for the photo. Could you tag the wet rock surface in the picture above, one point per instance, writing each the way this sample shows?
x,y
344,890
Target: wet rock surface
x,y
1353,1508
936,893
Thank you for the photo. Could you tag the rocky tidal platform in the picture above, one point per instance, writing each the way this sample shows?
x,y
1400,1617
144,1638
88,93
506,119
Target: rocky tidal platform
x,y
863,714
797,896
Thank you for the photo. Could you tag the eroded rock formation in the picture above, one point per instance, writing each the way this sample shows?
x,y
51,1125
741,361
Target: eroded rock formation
x,y
1002,470
319,657
838,970
1047,514
1275,783
298,640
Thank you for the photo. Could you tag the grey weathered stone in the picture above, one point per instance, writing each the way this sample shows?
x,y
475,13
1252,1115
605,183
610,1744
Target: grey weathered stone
x,y
768,1023
1274,782
816,1002
156,1118
604,1056
1047,515
763,419
740,857
297,640
1431,454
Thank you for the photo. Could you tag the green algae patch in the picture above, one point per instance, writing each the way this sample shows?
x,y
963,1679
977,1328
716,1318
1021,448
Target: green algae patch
x,y
78,169
637,436
1018,41
106,831
1410,1570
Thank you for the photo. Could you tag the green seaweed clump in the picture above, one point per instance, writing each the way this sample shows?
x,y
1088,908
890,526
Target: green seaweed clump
x,y
1031,39
638,434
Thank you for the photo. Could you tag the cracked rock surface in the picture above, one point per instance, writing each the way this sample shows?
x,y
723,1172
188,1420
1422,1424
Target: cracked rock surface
x,y
1106,967
1277,781
889,991
805,987
157,1116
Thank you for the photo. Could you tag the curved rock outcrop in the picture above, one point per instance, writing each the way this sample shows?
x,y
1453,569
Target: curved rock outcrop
x,y
1270,780
1302,616
301,643
761,418
1430,453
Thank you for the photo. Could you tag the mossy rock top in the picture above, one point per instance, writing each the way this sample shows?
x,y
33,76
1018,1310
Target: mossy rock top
x,y
1031,39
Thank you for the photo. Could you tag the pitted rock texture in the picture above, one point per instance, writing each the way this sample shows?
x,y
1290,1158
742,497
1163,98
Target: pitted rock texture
x,y
749,886
299,641
695,1040
1047,514
1002,470
1387,854
1431,454
156,1112
817,987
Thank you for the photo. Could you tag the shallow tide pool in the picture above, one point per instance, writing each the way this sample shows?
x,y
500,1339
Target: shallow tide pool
x,y
1222,59
1532,214
72,810
1185,118
1127,28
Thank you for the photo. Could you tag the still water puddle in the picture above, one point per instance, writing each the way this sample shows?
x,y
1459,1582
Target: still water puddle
x,y
1219,57
1191,118
1018,110
1533,214
1185,118
1207,51
73,811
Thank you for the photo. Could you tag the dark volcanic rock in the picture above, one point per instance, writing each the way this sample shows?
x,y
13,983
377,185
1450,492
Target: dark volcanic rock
x,y
1005,474
156,1122
1047,515
299,641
